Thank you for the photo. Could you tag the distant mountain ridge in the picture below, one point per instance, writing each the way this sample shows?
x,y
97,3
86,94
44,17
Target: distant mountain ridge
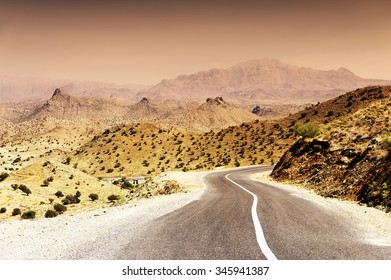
x,y
266,79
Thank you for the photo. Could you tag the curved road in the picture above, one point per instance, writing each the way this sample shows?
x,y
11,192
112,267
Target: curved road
x,y
238,218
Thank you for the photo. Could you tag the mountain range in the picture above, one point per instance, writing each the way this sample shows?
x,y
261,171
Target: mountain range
x,y
262,81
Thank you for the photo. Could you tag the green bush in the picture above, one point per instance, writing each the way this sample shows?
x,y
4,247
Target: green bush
x,y
60,208
65,201
59,194
386,143
113,197
93,196
306,130
16,212
127,185
51,214
28,215
71,199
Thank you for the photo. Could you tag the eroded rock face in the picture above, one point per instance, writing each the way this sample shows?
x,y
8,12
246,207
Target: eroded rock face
x,y
346,173
261,111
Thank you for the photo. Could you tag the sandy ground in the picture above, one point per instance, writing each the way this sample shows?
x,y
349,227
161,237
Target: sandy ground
x,y
374,223
57,238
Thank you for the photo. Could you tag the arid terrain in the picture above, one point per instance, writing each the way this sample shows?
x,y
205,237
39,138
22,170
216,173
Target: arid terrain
x,y
75,150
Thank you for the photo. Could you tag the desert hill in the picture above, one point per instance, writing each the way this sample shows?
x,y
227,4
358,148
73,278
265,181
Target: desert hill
x,y
63,110
31,119
214,113
65,106
263,80
350,158
144,149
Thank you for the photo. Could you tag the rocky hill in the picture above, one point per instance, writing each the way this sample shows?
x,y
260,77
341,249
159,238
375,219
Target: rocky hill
x,y
141,149
350,158
65,106
265,80
214,114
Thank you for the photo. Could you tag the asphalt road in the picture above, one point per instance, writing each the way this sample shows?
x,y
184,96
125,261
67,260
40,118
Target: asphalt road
x,y
238,218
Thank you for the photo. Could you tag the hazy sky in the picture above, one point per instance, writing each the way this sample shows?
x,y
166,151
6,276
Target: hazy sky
x,y
145,41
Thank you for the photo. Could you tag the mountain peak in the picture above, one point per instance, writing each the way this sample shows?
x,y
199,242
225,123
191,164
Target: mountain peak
x,y
345,71
59,93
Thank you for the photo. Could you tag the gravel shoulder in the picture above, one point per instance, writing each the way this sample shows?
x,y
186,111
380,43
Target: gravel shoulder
x,y
373,224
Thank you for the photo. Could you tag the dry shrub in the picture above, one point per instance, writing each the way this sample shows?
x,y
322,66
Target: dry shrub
x,y
169,187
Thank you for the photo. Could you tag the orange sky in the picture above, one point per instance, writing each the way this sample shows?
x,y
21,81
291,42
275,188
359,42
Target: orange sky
x,y
145,41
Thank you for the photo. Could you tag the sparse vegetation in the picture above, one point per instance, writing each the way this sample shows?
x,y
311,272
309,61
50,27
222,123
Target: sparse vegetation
x,y
3,210
386,143
306,130
113,197
59,194
93,196
60,208
51,214
28,215
71,199
16,212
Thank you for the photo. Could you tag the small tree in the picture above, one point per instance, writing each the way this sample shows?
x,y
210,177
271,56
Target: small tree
x,y
306,130
3,210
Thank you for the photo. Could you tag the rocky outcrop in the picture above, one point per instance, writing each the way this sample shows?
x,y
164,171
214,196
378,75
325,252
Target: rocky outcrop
x,y
261,111
216,101
347,173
